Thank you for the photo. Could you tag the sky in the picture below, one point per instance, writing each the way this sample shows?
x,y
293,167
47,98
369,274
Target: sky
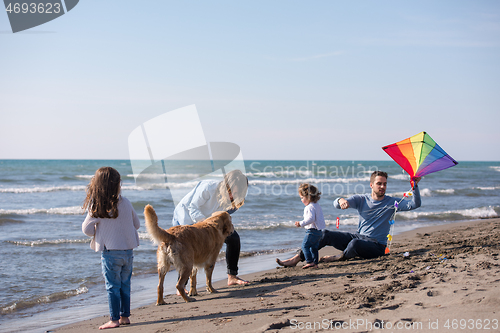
x,y
283,79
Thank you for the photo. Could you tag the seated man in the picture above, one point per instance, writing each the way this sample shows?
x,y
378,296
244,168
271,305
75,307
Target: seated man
x,y
375,211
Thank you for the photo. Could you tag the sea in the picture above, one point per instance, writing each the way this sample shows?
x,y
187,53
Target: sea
x,y
50,277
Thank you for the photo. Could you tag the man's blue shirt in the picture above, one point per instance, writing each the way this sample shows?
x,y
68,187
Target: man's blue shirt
x,y
374,215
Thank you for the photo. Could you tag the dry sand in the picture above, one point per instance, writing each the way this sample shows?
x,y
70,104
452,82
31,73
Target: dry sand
x,y
448,282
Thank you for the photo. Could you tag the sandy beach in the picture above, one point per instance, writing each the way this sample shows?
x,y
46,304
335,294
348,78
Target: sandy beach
x,y
436,279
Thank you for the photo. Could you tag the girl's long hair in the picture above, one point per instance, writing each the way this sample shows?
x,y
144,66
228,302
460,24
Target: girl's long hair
x,y
103,193
236,183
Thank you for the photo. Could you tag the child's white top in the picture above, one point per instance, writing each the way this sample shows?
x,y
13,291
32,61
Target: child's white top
x,y
114,234
313,217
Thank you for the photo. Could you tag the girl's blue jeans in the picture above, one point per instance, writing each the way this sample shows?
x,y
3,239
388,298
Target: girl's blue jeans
x,y
310,245
117,271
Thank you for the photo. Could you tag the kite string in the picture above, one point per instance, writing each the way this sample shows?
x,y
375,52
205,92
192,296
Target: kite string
x,y
392,220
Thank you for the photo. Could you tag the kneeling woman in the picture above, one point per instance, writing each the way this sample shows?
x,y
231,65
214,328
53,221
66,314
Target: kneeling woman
x,y
210,196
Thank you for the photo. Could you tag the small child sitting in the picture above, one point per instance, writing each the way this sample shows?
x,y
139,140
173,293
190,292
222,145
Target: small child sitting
x,y
313,222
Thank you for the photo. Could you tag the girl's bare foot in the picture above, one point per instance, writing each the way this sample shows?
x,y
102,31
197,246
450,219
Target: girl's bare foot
x,y
110,324
124,321
292,262
233,280
311,265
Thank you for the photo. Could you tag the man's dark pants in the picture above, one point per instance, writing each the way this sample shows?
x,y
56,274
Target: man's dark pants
x,y
352,244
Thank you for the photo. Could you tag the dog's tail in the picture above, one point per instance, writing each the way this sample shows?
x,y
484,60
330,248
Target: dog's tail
x,y
158,234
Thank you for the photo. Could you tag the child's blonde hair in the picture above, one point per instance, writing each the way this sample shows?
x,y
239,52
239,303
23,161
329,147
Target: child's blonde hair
x,y
310,192
103,193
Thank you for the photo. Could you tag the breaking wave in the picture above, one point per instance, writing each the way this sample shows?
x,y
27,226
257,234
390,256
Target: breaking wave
x,y
45,242
459,214
74,210
31,302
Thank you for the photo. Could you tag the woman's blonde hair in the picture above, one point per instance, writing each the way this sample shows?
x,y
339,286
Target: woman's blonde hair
x,y
235,183
103,193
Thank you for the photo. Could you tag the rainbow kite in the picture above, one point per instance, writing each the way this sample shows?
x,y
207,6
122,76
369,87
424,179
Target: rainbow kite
x,y
419,155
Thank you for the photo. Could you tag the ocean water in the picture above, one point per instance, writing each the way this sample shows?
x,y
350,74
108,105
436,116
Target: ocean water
x,y
47,268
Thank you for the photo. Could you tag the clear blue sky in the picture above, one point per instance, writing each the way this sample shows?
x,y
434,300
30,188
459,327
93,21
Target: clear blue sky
x,y
313,80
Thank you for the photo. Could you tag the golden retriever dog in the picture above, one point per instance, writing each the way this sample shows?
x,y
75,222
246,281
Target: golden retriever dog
x,y
188,247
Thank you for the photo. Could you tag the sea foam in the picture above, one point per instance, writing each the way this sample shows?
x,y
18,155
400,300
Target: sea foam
x,y
74,210
40,189
460,214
